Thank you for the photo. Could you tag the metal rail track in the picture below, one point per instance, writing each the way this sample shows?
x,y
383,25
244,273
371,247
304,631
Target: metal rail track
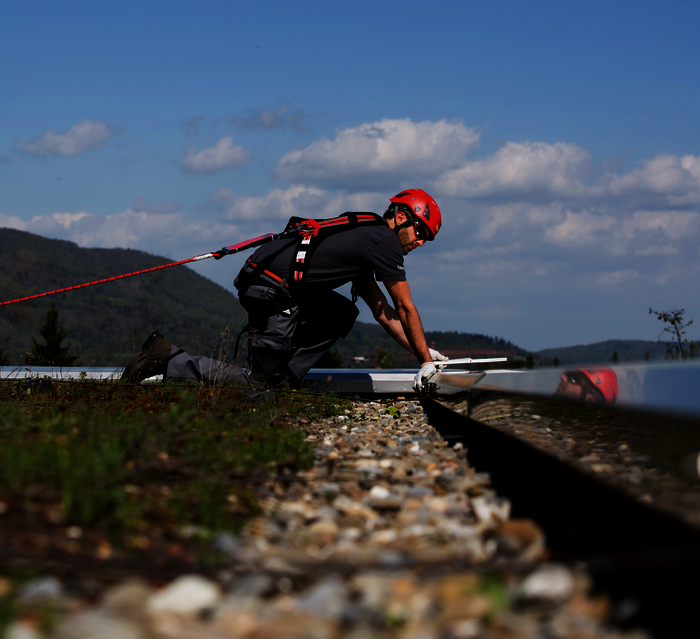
x,y
646,560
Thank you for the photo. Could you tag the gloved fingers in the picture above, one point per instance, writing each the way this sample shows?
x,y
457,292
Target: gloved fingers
x,y
438,357
426,371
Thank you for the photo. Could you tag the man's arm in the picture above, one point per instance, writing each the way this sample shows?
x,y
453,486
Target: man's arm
x,y
401,322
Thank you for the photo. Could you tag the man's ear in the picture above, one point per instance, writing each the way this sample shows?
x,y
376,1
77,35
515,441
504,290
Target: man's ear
x,y
400,218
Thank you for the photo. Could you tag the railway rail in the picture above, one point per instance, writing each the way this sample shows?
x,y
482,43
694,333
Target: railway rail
x,y
645,556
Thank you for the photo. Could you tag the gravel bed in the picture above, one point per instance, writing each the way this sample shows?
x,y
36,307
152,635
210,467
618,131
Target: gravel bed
x,y
390,534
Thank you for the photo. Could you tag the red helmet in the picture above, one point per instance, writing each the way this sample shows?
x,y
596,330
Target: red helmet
x,y
605,380
424,208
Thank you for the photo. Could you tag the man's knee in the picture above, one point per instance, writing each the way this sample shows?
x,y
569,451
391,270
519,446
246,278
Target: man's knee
x,y
266,364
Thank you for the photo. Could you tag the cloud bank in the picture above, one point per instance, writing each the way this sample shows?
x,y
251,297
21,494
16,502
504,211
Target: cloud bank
x,y
223,155
85,136
281,204
371,155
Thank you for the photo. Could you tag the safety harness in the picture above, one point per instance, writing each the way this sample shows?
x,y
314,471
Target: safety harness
x,y
310,234
315,231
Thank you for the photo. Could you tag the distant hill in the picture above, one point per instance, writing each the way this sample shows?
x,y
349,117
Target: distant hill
x,y
103,321
628,350
365,339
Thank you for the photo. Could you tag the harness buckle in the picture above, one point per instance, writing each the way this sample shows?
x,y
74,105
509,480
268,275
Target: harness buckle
x,y
314,228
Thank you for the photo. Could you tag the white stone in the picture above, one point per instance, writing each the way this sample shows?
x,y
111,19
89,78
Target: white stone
x,y
187,595
491,511
550,582
379,492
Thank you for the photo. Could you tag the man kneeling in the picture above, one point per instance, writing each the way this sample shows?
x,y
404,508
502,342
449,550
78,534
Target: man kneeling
x,y
294,313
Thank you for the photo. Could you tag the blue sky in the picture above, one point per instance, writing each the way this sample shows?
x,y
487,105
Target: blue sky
x,y
560,139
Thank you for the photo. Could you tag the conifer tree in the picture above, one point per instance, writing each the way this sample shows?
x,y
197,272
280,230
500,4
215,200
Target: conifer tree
x,y
52,353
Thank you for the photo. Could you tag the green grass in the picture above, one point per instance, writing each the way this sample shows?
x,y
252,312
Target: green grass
x,y
145,462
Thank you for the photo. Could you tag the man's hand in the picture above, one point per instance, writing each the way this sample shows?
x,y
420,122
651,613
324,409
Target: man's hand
x,y
427,369
436,356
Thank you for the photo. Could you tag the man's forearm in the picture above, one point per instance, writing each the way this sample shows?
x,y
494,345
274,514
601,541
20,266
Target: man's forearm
x,y
413,330
401,322
391,323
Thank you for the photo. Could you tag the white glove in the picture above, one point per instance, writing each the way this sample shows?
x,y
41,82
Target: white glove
x,y
426,371
436,356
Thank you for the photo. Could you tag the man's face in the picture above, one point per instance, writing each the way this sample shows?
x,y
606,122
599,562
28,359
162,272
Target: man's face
x,y
569,387
572,386
407,236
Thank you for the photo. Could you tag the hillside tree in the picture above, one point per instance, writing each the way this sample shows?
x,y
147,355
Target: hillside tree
x,y
682,349
52,353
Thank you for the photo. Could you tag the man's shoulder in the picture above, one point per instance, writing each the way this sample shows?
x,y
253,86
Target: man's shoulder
x,y
377,231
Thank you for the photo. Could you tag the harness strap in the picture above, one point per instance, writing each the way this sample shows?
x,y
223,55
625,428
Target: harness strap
x,y
310,240
276,279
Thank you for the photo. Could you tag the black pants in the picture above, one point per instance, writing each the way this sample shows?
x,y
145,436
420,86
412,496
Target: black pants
x,y
289,342
284,344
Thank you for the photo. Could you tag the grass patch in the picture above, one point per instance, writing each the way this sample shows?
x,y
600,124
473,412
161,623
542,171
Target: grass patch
x,y
143,467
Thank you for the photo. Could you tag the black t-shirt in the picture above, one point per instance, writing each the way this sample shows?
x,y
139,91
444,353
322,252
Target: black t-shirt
x,y
360,253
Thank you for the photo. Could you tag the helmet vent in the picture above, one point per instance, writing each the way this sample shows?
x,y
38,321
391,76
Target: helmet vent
x,y
426,215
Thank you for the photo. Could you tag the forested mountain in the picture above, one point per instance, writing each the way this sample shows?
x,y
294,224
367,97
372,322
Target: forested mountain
x,y
102,322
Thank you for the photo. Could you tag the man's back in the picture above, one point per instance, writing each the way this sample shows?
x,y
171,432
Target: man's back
x,y
354,254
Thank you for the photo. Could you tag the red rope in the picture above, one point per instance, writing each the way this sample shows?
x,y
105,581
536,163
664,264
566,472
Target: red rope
x,y
109,279
227,250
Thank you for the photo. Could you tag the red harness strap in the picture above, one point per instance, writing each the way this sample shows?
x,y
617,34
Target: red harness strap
x,y
305,248
269,274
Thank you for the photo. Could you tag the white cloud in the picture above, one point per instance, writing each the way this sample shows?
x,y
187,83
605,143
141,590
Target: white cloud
x,y
160,233
68,219
676,179
619,233
538,171
80,138
676,225
223,155
379,155
580,228
303,201
12,222
523,170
